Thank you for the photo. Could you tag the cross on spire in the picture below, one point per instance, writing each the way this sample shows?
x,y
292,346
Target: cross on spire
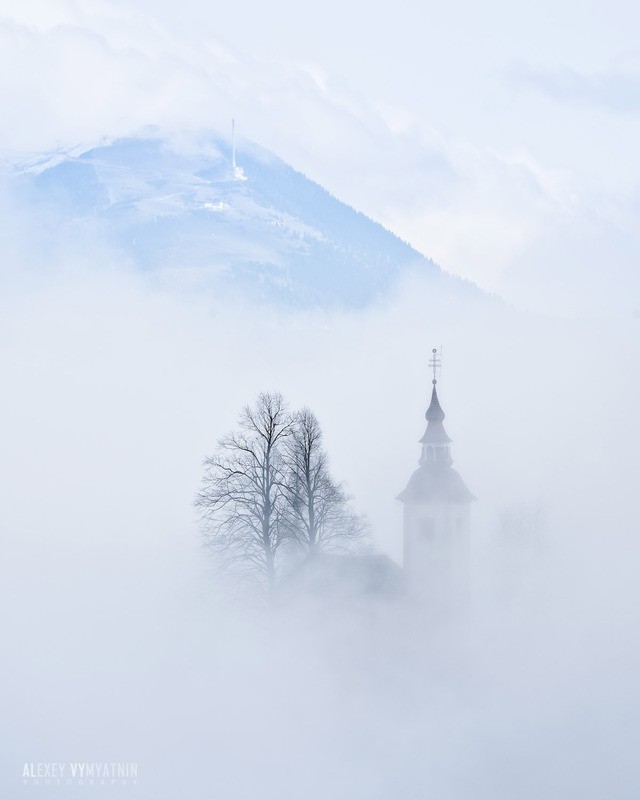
x,y
435,363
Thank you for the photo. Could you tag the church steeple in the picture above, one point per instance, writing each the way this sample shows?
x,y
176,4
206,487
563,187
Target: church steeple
x,y
436,512
435,442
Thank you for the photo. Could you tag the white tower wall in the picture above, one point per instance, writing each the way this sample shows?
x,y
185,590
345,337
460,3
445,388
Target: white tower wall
x,y
437,548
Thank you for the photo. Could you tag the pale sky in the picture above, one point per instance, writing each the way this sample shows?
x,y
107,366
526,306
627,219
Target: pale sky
x,y
498,138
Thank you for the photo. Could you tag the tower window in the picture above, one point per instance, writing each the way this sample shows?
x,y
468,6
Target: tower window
x,y
427,530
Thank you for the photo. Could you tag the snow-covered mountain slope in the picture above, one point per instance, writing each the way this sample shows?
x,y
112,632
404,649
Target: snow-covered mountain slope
x,y
181,207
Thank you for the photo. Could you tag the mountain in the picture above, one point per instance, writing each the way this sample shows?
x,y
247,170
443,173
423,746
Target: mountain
x,y
191,209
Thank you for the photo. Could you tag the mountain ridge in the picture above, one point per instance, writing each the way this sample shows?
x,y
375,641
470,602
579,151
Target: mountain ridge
x,y
183,206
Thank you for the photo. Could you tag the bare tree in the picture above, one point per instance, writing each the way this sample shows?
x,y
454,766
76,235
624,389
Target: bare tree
x,y
243,501
320,517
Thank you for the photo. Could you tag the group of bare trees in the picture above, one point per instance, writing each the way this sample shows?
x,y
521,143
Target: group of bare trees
x,y
267,496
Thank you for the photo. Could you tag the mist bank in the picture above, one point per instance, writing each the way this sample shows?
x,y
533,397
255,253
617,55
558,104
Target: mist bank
x,y
119,648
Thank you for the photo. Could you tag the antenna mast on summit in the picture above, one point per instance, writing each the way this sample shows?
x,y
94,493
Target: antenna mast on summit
x,y
233,144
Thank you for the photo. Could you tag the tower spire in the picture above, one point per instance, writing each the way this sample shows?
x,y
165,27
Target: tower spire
x,y
435,364
435,442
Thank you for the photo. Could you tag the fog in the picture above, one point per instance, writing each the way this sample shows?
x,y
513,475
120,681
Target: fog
x,y
483,136
119,646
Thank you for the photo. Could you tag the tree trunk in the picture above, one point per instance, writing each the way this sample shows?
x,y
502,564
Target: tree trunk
x,y
271,570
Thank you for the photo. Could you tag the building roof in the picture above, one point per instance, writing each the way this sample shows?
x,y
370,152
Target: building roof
x,y
435,433
432,484
335,575
434,412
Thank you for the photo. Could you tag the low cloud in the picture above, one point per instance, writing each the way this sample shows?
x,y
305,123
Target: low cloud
x,y
609,89
75,78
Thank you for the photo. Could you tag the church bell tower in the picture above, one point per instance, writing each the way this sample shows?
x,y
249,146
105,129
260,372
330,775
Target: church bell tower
x,y
436,514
